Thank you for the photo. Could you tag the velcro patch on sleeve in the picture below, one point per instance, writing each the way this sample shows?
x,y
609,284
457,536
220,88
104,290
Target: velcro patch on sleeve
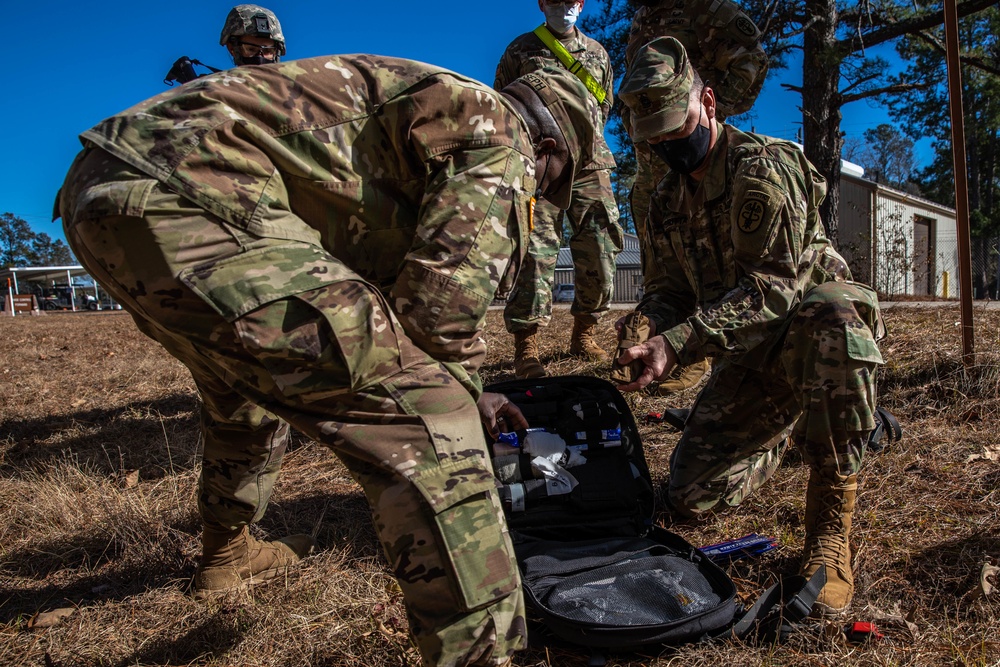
x,y
756,211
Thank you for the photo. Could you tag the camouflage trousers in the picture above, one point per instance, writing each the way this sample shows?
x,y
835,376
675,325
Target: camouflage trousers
x,y
333,362
595,242
818,388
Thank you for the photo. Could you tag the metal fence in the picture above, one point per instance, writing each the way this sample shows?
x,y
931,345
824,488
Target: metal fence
x,y
897,270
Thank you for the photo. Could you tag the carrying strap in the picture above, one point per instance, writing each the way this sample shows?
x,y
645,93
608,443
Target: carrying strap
x,y
780,608
885,425
572,64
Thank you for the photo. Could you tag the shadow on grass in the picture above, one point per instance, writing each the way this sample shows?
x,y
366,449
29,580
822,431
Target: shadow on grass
x,y
212,638
946,572
130,437
112,566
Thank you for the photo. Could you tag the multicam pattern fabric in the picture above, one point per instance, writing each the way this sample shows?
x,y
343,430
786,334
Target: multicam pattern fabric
x,y
318,242
792,335
528,54
721,40
595,242
596,237
355,158
724,46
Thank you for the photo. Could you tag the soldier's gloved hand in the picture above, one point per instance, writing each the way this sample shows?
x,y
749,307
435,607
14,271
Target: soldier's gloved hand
x,y
633,329
499,414
657,357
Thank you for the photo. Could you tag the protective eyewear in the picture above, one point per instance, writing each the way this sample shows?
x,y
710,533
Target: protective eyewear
x,y
248,50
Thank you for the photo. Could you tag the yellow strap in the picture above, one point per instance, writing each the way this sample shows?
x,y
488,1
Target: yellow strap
x,y
571,63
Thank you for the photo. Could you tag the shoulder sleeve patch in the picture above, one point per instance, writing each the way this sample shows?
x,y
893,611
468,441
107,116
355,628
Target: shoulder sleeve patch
x,y
756,211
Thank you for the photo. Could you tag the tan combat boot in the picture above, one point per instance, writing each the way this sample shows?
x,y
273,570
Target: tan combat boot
x,y
684,377
829,506
583,344
231,559
526,362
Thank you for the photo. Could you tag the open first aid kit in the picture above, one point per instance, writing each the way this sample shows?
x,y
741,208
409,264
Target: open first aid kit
x,y
579,501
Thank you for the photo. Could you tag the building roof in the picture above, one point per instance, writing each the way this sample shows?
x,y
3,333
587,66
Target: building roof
x,y
44,273
628,258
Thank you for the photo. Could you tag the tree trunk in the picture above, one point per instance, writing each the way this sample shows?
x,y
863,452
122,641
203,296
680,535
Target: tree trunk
x,y
821,104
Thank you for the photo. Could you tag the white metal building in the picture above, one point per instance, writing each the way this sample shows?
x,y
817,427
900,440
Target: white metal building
x,y
897,242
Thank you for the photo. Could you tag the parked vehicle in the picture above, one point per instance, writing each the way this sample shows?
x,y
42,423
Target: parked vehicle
x,y
104,304
564,293
58,297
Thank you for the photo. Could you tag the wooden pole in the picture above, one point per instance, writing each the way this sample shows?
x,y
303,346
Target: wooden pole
x,y
961,178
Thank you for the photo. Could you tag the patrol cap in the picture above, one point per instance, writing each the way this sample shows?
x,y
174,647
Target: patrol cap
x,y
657,89
573,107
255,21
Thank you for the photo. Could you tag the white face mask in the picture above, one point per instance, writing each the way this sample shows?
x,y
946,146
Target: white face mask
x,y
561,17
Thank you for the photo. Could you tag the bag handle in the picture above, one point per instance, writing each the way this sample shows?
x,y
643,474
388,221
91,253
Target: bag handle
x,y
780,608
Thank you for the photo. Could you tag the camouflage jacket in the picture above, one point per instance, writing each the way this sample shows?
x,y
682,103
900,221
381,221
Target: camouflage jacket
x,y
528,53
722,43
743,246
416,178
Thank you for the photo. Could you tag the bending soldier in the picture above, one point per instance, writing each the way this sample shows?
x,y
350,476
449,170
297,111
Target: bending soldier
x,y
318,242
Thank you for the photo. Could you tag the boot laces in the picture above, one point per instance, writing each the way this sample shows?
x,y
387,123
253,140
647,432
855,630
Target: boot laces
x,y
829,533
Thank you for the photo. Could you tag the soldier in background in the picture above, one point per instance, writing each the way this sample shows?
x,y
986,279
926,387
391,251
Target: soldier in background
x,y
596,237
330,268
738,268
252,35
723,44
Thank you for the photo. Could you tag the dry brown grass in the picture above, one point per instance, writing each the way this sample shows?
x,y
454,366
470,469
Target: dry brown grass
x,y
87,400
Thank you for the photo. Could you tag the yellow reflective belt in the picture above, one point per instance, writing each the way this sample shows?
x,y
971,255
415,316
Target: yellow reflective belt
x,y
571,63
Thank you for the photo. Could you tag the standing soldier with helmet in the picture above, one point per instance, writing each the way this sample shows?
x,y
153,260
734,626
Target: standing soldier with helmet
x,y
596,237
253,36
724,46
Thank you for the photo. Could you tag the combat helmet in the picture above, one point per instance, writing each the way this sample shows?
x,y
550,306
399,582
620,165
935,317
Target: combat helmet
x,y
253,20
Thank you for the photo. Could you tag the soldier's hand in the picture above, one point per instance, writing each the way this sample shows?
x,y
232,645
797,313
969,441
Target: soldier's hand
x,y
620,323
633,329
499,414
657,356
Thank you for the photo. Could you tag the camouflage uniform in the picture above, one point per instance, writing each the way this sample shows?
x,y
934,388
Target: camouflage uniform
x,y
724,46
593,214
739,270
320,249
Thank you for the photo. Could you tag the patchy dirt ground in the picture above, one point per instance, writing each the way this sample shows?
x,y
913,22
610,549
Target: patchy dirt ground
x,y
98,530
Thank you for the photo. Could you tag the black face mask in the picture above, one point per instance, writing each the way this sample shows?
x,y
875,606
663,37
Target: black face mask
x,y
687,154
255,60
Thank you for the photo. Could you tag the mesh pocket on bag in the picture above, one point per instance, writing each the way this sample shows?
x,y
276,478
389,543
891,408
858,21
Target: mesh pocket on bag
x,y
642,591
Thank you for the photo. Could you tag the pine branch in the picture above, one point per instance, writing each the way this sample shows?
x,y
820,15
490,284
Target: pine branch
x,y
885,90
908,26
965,59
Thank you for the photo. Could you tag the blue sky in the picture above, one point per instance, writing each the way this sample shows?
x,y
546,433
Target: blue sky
x,y
72,64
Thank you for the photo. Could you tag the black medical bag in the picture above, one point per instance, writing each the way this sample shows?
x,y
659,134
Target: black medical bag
x,y
596,571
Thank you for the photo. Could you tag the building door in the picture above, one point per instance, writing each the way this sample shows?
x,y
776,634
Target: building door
x,y
924,279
